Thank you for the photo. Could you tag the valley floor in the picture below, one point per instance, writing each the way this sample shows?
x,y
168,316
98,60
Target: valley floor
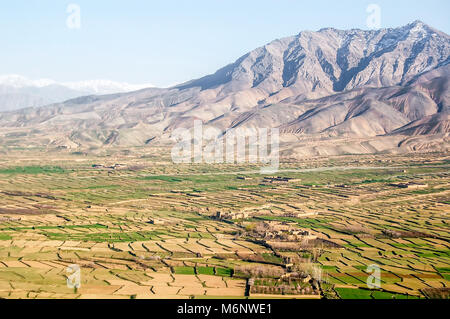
x,y
140,227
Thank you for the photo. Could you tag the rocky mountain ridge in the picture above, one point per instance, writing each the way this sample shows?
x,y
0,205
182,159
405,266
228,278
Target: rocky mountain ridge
x,y
329,92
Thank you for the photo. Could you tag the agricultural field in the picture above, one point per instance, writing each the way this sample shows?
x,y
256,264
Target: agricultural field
x,y
140,227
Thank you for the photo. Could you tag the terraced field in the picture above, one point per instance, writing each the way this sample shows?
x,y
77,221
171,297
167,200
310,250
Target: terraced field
x,y
149,229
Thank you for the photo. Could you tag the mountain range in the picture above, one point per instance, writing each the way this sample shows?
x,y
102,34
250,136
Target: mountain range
x,y
329,92
18,92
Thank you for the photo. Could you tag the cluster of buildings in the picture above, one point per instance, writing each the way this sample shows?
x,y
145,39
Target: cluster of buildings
x,y
231,215
286,232
9,219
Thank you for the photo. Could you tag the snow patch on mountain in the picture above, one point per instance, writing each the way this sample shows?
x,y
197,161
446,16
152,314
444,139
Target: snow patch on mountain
x,y
91,86
17,91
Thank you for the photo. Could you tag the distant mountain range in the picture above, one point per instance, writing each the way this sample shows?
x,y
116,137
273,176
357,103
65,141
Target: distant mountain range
x,y
18,92
330,92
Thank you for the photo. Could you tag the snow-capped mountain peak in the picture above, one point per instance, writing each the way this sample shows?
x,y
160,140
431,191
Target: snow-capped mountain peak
x,y
17,91
18,81
104,86
90,86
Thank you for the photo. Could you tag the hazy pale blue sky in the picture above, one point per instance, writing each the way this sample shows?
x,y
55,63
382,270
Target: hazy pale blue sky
x,y
166,41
